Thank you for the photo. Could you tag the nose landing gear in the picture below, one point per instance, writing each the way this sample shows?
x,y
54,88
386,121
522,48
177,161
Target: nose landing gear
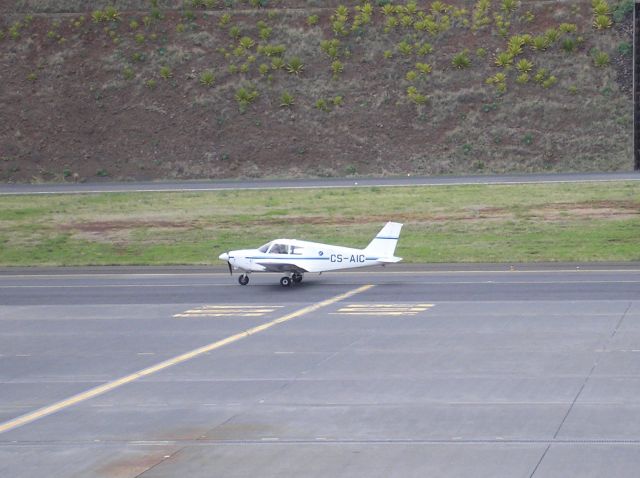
x,y
243,279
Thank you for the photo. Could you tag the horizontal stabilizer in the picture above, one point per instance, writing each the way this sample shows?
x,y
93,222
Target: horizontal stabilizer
x,y
389,260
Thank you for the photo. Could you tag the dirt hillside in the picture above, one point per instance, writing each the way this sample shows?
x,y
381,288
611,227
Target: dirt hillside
x,y
255,88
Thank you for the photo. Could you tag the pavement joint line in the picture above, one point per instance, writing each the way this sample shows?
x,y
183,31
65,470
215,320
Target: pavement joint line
x,y
106,387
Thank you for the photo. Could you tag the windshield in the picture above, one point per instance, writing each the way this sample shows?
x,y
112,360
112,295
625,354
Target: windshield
x,y
265,248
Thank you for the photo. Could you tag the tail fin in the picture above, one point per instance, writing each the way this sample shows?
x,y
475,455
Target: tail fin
x,y
384,244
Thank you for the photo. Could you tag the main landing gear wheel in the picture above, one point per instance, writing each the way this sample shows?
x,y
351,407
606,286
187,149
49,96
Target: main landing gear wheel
x,y
243,279
285,281
296,278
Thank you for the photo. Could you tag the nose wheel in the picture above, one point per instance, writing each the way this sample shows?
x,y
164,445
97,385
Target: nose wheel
x,y
243,279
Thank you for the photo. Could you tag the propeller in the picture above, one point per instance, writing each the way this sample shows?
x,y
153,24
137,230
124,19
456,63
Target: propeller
x,y
225,257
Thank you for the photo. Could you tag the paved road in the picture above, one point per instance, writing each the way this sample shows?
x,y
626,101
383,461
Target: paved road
x,y
310,183
436,373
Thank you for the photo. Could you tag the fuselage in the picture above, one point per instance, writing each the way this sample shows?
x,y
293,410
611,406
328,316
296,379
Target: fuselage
x,y
290,254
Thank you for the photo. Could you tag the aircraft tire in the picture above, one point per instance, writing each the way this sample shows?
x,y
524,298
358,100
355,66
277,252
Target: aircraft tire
x,y
285,281
243,279
296,278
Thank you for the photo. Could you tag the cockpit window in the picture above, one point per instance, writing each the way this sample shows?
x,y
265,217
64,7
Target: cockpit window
x,y
265,248
279,249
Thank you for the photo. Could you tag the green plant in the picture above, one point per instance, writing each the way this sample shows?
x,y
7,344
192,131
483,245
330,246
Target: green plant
x,y
286,99
568,28
522,78
207,78
552,35
601,7
246,43
423,49
98,16
337,101
128,73
312,20
540,43
32,77
265,33
322,105
331,47
524,66
503,59
387,54
528,139
295,65
138,57
540,75
624,8
625,48
601,59
404,48
225,20
480,15
602,22
569,45
180,27
245,96
424,68
263,69
165,72
509,6
272,50
139,38
499,80
337,67
549,82
151,84
111,14
234,32
461,60
411,75
387,9
102,173
481,52
415,96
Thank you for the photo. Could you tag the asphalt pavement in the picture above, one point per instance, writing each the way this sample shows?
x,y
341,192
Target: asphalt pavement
x,y
396,372
169,186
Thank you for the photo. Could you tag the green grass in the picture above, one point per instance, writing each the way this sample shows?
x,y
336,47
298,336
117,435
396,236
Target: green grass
x,y
479,223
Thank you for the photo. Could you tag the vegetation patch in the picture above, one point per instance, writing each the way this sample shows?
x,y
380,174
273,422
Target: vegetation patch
x,y
479,223
412,76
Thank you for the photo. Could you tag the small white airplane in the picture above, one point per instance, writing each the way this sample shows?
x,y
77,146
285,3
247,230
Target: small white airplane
x,y
294,257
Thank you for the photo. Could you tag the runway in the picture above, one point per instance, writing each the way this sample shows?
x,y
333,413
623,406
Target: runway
x,y
402,372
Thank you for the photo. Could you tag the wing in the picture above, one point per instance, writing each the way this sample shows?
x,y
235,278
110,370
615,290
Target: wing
x,y
281,267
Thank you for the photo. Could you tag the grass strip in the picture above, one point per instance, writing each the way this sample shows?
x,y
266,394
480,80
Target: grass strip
x,y
473,223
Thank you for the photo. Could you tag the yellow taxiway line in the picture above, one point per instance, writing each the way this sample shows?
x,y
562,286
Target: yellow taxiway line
x,y
99,390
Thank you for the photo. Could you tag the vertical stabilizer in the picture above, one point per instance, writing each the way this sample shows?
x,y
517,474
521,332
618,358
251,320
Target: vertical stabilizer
x,y
384,244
